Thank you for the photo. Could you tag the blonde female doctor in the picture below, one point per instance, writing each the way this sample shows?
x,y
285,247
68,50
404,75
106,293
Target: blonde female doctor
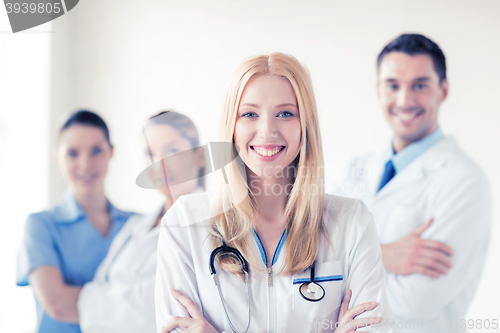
x,y
304,251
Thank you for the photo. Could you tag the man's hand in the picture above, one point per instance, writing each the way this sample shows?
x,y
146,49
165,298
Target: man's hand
x,y
412,254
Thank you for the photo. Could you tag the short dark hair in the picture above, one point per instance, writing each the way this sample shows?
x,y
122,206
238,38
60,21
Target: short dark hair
x,y
87,118
413,44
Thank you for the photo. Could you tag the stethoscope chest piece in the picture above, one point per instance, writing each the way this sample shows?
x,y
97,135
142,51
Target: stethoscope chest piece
x,y
312,291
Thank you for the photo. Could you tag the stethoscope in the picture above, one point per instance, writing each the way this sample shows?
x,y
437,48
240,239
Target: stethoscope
x,y
244,265
310,291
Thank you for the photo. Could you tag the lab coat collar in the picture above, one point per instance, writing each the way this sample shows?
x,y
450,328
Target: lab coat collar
x,y
149,224
442,152
150,220
415,149
432,159
199,189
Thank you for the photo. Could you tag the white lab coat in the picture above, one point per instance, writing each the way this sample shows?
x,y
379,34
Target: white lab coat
x,y
445,184
120,298
183,263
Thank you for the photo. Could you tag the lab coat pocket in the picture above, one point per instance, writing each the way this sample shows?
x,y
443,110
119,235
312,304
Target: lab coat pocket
x,y
328,275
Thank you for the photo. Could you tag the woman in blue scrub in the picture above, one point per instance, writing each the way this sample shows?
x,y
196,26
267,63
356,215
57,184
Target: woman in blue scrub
x,y
62,247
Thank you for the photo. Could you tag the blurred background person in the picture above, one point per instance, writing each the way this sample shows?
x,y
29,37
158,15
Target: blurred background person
x,y
121,296
62,247
431,202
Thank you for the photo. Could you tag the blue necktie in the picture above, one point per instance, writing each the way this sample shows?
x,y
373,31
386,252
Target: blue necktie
x,y
389,173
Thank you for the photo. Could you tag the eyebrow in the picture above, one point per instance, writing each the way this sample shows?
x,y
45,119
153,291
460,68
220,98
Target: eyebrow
x,y
163,148
277,106
168,145
90,146
418,79
249,104
286,104
173,143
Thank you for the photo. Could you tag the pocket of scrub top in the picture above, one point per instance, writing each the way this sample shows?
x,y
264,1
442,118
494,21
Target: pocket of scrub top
x,y
329,275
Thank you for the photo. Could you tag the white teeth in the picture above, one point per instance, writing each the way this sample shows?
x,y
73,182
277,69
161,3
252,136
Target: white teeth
x,y
406,116
267,152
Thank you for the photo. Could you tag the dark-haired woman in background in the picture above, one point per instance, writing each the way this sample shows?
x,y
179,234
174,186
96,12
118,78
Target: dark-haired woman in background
x,y
62,247
121,298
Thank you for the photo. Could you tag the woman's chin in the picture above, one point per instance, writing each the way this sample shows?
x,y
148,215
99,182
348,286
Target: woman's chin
x,y
179,190
88,189
269,172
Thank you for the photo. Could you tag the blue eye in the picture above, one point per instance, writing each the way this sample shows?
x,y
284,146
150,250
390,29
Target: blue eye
x,y
249,115
72,153
393,87
172,151
96,151
419,86
285,114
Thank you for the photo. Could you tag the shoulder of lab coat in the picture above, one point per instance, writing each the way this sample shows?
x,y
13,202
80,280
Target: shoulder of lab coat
x,y
354,231
361,177
118,307
175,268
118,242
462,210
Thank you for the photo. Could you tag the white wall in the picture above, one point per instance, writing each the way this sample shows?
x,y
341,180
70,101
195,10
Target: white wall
x,y
128,60
24,157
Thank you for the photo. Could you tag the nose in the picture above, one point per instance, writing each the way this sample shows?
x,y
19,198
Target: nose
x,y
404,99
267,129
85,162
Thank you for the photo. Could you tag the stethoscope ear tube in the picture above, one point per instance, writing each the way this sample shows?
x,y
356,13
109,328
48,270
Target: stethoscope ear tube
x,y
225,248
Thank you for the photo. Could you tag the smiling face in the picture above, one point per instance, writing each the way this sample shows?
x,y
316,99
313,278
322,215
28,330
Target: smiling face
x,y
165,142
83,155
410,94
267,128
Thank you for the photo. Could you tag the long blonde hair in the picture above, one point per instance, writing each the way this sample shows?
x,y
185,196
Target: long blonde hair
x,y
305,202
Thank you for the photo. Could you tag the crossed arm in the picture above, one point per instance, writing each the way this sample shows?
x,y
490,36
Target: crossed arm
x,y
421,269
197,323
413,254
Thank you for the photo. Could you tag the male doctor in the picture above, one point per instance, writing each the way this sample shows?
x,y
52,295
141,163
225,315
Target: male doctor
x,y
431,202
